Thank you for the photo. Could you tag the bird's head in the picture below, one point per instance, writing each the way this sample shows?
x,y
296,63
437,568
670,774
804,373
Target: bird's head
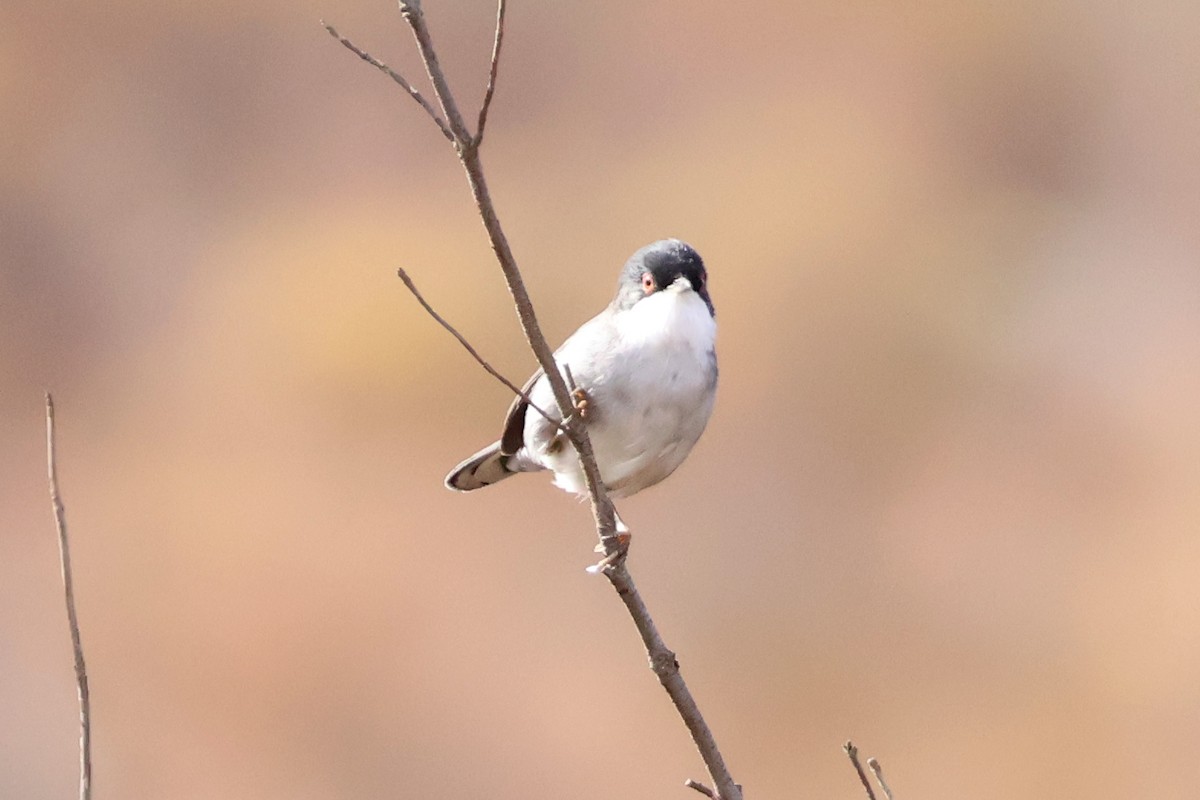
x,y
668,265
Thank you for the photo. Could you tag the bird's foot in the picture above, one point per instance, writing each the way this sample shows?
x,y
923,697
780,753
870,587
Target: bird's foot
x,y
622,534
616,556
582,403
623,540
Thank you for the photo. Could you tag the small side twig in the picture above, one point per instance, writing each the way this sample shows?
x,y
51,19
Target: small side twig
x,y
573,388
412,287
699,787
391,73
570,378
491,84
852,751
878,772
64,556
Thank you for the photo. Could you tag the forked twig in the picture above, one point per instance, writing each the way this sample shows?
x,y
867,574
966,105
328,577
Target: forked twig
x,y
412,287
852,751
64,556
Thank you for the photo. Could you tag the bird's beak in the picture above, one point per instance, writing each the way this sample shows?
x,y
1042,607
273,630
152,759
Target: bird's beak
x,y
680,285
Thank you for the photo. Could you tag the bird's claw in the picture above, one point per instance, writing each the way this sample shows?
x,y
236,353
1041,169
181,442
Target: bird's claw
x,y
582,401
623,540
615,557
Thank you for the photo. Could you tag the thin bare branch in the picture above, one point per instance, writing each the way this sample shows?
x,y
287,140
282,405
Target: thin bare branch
x,y
852,751
412,287
699,787
391,73
491,84
64,556
662,660
878,772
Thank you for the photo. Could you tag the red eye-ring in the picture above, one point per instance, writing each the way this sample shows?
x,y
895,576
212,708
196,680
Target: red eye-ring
x,y
647,283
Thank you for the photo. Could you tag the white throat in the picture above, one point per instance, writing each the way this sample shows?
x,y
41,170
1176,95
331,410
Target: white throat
x,y
672,317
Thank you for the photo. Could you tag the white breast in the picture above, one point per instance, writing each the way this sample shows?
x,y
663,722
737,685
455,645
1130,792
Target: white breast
x,y
651,375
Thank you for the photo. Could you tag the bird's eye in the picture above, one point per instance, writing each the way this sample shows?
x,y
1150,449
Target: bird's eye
x,y
647,283
703,279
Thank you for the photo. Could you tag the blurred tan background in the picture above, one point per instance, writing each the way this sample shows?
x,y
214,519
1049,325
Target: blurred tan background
x,y
947,505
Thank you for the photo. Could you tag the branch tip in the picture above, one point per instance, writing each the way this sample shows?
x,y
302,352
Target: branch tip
x,y
492,70
852,752
699,787
877,771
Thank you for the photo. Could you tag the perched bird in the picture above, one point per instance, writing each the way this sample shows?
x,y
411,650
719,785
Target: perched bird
x,y
646,372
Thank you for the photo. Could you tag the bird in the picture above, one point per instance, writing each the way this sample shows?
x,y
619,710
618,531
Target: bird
x,y
645,377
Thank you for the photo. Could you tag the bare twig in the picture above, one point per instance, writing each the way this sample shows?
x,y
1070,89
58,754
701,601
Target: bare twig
x,y
412,287
391,73
662,660
852,751
699,787
573,389
64,555
491,84
878,772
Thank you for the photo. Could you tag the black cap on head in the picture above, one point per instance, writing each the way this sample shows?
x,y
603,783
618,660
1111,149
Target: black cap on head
x,y
655,267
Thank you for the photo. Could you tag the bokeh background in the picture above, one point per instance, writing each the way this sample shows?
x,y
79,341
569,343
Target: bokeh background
x,y
947,505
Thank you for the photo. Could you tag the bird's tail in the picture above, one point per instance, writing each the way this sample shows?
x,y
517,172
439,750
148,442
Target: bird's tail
x,y
486,467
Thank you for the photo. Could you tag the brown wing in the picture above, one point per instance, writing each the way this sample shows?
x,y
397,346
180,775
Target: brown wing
x,y
513,438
